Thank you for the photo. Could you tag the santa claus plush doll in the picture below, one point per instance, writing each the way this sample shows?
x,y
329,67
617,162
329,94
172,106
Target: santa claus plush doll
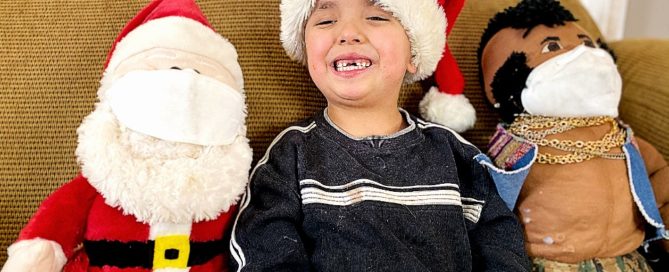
x,y
164,156
587,191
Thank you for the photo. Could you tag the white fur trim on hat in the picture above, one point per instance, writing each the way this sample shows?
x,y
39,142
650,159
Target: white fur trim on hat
x,y
453,111
178,33
423,20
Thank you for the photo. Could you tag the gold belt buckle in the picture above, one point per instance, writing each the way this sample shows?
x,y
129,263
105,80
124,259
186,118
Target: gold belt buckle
x,y
171,252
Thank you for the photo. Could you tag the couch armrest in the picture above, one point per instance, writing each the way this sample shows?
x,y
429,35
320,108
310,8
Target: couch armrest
x,y
644,66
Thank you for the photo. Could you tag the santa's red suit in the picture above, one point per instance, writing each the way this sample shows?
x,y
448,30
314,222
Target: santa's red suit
x,y
104,229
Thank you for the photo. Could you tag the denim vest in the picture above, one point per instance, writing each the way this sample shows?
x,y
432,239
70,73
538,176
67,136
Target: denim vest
x,y
509,182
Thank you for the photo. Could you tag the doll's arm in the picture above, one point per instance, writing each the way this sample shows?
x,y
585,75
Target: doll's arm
x,y
658,172
54,231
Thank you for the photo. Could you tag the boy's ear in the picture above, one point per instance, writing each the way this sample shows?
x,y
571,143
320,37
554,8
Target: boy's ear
x,y
411,68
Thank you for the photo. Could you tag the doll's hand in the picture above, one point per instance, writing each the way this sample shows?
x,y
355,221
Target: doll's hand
x,y
35,255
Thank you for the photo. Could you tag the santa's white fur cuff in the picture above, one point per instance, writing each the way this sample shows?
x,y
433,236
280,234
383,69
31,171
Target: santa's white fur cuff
x,y
35,255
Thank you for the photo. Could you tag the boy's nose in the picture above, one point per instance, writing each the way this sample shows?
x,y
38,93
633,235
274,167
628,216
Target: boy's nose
x,y
351,34
354,40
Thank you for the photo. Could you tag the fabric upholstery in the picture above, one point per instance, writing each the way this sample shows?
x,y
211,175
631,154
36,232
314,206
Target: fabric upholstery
x,y
52,55
644,66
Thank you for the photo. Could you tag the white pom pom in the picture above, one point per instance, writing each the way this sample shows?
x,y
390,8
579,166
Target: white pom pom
x,y
453,111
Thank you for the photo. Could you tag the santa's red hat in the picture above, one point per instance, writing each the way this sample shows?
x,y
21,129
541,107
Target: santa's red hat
x,y
175,25
445,103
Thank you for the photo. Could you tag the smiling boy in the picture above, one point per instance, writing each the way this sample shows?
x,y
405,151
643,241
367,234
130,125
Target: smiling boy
x,y
364,185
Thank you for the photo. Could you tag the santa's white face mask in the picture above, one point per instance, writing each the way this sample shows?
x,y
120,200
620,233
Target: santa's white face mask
x,y
178,106
583,82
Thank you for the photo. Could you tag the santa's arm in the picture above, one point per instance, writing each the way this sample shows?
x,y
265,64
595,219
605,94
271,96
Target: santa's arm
x,y
54,231
658,172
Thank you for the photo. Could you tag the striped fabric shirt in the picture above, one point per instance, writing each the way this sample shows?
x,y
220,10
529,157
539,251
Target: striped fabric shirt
x,y
322,200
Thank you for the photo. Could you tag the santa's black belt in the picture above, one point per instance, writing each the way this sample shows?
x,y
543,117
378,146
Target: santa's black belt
x,y
141,254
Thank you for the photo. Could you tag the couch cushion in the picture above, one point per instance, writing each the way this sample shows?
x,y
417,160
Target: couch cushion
x,y
643,65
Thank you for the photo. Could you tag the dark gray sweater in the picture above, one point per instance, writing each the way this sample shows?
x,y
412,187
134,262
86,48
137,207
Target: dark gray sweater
x,y
320,200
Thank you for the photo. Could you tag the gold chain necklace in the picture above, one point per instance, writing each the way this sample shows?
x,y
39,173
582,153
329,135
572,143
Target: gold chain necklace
x,y
536,128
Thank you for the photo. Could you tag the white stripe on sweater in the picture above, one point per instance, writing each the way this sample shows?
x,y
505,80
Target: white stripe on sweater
x,y
315,192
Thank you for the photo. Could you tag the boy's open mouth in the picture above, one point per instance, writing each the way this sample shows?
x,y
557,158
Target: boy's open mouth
x,y
351,64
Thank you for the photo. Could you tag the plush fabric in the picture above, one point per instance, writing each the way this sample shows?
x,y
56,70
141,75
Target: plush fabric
x,y
52,55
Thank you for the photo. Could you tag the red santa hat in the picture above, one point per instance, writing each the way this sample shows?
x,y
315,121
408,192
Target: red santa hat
x,y
445,103
423,20
175,25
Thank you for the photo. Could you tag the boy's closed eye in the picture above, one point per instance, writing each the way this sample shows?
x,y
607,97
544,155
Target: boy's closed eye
x,y
325,22
378,18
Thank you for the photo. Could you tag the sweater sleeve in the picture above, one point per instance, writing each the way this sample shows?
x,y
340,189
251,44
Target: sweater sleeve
x,y
266,235
496,238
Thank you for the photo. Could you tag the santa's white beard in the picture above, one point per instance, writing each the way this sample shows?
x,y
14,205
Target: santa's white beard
x,y
159,181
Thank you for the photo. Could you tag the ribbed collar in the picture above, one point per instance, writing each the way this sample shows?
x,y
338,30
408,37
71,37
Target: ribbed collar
x,y
401,139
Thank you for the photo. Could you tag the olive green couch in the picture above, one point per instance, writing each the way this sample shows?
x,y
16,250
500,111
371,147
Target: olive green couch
x,y
52,54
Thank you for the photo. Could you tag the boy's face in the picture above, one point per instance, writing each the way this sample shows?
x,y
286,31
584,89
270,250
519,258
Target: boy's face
x,y
357,53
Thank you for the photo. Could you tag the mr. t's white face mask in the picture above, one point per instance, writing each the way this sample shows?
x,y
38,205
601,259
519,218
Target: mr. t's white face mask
x,y
583,82
178,106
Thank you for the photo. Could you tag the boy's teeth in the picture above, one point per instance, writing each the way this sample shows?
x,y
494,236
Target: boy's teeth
x,y
352,65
